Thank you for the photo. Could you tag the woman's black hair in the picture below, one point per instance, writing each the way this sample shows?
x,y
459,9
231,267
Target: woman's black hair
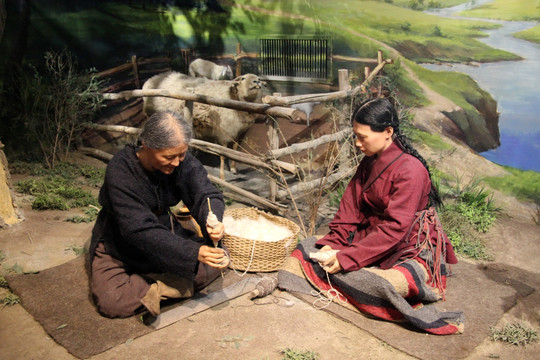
x,y
380,113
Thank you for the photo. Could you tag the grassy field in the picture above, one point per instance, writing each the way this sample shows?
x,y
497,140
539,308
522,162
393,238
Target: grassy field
x,y
354,25
515,10
418,36
512,10
523,184
532,34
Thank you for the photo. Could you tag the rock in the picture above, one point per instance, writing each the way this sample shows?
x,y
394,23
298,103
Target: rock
x,y
9,214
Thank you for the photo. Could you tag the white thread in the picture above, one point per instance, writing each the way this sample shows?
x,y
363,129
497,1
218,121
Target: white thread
x,y
327,296
250,260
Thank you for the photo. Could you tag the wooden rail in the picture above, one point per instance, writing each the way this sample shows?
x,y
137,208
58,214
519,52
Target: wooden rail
x,y
275,106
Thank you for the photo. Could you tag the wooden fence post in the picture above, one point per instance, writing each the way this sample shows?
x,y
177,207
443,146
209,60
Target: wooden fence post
x,y
238,62
136,71
344,152
186,55
273,144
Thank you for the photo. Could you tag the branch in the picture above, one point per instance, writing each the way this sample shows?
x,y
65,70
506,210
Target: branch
x,y
260,200
307,187
275,111
290,100
298,147
203,146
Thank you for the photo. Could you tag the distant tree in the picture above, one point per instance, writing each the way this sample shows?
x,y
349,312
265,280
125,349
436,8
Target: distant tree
x,y
437,31
406,26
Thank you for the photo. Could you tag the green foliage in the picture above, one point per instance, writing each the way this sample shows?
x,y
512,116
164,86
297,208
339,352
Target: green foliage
x,y
10,299
473,202
516,334
3,282
434,5
49,202
433,141
54,192
410,94
479,213
416,4
335,195
437,31
468,211
52,105
292,354
462,235
78,250
515,10
406,26
92,175
91,214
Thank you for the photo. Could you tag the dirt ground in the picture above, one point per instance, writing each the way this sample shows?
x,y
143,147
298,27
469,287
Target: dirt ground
x,y
241,329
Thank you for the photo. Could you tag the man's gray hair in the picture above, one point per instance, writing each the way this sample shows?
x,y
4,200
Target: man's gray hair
x,y
165,130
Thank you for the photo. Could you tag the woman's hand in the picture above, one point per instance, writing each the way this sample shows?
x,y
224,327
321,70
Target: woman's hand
x,y
326,248
332,265
212,256
216,233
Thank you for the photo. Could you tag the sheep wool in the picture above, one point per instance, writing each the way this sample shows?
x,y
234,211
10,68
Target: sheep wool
x,y
255,229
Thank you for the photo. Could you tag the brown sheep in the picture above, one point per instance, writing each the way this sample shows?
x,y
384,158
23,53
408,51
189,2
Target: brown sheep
x,y
219,125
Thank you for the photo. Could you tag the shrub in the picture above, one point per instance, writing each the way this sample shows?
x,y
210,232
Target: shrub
x,y
54,192
49,202
463,236
515,334
292,354
52,105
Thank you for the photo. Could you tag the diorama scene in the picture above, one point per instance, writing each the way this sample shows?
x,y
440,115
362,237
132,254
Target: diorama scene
x,y
269,179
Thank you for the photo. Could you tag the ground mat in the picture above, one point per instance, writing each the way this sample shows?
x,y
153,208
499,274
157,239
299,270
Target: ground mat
x,y
59,299
483,292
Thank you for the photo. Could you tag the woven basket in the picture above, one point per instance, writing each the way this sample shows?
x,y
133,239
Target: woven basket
x,y
256,255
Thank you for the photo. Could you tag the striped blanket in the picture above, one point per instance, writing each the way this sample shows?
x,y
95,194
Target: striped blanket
x,y
397,294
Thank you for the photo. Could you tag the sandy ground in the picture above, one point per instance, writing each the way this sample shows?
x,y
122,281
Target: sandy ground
x,y
240,329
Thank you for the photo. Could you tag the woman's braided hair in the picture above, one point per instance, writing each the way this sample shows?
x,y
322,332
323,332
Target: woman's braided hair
x,y
380,113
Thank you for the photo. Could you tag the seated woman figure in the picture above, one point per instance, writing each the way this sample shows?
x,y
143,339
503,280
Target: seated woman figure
x,y
385,243
135,234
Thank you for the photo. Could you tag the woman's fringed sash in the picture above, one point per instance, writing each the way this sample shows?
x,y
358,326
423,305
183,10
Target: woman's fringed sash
x,y
432,253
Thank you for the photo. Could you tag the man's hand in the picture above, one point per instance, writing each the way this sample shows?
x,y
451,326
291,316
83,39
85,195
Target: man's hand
x,y
212,256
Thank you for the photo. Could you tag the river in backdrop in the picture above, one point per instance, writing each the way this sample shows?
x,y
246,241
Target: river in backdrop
x,y
515,85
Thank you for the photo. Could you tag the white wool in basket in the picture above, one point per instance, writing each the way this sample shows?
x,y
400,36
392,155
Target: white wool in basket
x,y
260,229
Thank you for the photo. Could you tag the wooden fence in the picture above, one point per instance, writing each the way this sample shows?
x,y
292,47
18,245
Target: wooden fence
x,y
126,77
274,106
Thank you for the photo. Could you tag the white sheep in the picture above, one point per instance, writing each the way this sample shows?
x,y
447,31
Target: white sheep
x,y
226,127
171,81
209,70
